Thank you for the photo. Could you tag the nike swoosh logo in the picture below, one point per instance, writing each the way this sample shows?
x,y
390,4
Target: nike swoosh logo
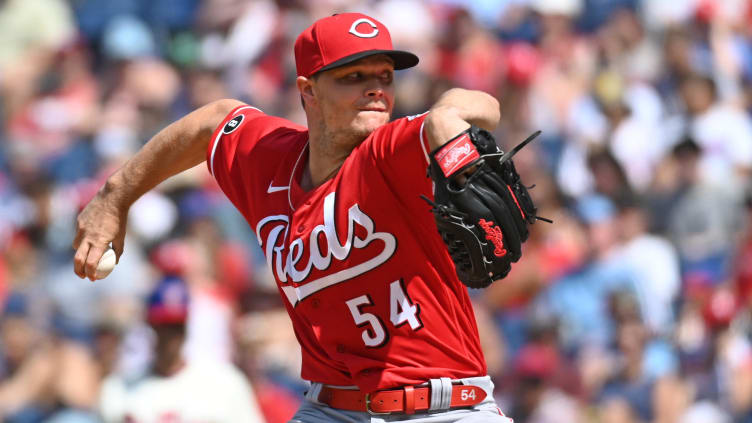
x,y
272,189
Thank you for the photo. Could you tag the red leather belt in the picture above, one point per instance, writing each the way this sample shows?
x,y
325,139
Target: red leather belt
x,y
408,399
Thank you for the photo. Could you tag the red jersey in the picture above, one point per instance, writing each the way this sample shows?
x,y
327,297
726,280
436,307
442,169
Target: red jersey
x,y
366,279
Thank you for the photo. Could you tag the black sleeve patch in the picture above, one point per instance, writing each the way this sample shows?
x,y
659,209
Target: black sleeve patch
x,y
233,124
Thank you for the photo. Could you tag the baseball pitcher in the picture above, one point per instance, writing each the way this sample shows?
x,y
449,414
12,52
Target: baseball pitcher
x,y
373,228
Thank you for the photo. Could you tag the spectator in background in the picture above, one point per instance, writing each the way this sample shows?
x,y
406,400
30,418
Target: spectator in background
x,y
715,355
743,260
26,368
655,264
541,377
632,111
733,352
269,355
580,299
75,382
626,46
463,54
679,57
173,386
640,362
558,90
703,220
747,93
723,132
609,178
50,378
32,31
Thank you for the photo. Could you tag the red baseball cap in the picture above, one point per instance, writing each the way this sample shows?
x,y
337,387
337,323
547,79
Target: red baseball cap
x,y
344,38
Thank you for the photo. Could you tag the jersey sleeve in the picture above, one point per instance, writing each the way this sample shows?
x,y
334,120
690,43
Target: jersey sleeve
x,y
400,152
234,152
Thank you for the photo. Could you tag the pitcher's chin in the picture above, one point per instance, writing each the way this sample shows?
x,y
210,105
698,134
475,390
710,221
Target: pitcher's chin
x,y
368,121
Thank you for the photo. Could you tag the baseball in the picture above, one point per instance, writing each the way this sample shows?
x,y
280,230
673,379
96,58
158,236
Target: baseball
x,y
106,264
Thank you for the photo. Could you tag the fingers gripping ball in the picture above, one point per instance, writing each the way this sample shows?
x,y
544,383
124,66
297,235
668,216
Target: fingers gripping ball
x,y
106,264
484,219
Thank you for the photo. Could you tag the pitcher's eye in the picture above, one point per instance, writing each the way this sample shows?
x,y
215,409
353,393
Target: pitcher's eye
x,y
352,77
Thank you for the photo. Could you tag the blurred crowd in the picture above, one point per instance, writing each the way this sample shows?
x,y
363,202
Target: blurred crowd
x,y
635,306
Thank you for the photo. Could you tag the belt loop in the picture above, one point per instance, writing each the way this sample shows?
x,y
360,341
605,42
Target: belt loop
x,y
409,399
435,403
313,393
446,393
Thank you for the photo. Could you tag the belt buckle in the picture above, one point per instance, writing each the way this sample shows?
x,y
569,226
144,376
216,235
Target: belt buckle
x,y
368,407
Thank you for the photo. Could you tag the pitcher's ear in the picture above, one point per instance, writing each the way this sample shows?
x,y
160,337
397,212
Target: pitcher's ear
x,y
305,87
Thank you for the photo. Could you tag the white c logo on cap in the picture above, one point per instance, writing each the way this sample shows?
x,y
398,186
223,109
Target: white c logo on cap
x,y
354,30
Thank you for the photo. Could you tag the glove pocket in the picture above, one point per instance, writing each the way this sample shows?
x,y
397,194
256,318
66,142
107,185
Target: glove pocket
x,y
493,221
468,252
505,193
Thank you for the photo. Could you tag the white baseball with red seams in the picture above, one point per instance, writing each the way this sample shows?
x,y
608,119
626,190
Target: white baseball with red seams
x,y
106,264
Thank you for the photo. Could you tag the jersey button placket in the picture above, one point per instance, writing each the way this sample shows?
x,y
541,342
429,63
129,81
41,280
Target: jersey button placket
x,y
301,228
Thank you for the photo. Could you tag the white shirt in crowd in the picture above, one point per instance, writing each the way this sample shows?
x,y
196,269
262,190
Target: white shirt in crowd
x,y
725,135
202,392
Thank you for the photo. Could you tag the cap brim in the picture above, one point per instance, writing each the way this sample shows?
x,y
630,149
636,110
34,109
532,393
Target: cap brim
x,y
402,59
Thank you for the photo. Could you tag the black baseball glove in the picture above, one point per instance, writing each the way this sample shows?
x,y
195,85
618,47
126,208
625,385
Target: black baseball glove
x,y
484,219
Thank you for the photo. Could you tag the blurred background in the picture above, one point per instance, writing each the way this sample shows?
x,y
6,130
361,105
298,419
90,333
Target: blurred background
x,y
634,306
